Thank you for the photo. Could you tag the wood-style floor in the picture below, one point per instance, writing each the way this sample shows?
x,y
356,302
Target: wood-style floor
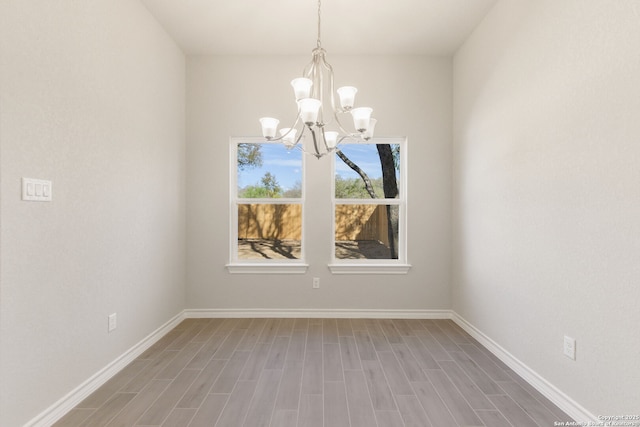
x,y
315,372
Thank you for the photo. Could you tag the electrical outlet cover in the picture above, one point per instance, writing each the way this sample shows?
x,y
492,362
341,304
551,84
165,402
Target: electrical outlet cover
x,y
570,347
112,322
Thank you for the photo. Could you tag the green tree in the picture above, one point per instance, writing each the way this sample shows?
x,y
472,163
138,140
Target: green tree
x,y
270,183
353,188
254,192
294,192
249,156
268,190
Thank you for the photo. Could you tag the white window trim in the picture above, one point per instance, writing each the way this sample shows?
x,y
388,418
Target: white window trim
x,y
239,266
267,268
396,266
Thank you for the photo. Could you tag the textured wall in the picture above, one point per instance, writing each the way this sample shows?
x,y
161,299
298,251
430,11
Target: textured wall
x,y
92,99
547,192
411,96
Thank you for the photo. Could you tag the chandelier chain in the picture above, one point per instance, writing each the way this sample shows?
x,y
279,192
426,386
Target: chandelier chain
x,y
319,44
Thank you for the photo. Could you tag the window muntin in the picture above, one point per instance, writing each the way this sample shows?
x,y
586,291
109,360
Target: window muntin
x,y
369,199
267,202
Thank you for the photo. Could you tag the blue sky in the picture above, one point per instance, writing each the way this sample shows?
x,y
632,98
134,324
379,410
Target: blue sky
x,y
286,165
363,155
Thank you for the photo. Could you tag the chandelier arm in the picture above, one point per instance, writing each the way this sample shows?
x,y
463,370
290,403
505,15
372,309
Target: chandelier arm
x,y
315,142
299,138
308,69
329,69
318,82
321,96
311,153
336,111
342,138
347,134
326,67
281,137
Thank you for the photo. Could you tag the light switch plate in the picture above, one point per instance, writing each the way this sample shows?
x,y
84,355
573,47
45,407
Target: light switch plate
x,y
37,190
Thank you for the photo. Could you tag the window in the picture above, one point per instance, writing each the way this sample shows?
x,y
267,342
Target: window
x,y
369,206
267,207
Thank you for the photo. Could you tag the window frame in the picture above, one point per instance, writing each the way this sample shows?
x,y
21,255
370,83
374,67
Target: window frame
x,y
260,266
374,266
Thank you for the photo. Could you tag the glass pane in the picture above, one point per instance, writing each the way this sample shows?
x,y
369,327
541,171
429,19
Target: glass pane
x,y
267,231
366,231
269,171
359,171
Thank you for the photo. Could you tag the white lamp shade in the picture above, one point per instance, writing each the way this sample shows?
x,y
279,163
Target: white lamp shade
x,y
361,118
368,134
331,138
309,108
288,136
269,127
347,96
301,87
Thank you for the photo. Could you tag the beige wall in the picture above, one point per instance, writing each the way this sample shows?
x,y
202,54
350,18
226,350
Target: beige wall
x,y
411,96
547,192
92,98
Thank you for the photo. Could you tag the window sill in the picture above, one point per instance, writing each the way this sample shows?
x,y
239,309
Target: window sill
x,y
267,268
369,268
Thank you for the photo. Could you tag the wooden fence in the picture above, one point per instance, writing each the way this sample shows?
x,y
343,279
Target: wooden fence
x,y
282,222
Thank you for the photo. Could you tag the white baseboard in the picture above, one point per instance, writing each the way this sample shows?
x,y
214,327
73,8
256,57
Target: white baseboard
x,y
555,395
318,313
77,395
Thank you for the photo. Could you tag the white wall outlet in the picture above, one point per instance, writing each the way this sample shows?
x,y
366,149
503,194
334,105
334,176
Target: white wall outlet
x,y
112,321
570,347
316,282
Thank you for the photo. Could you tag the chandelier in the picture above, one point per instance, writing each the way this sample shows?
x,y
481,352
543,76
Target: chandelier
x,y
314,117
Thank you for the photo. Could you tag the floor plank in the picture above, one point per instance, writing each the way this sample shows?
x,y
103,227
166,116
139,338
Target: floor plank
x,y
336,413
162,407
361,413
264,398
455,401
512,411
210,410
290,386
237,406
412,412
139,404
379,391
312,373
433,405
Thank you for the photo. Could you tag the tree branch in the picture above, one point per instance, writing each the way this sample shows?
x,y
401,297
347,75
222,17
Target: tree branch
x,y
365,178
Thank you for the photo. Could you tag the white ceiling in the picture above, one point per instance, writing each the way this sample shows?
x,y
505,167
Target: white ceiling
x,y
286,27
